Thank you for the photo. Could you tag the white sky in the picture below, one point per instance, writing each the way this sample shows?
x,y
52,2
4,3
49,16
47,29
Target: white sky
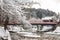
x,y
53,5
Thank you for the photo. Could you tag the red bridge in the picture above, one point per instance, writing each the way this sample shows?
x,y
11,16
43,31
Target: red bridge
x,y
36,22
43,22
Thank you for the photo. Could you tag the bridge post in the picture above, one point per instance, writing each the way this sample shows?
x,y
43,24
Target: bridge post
x,y
39,27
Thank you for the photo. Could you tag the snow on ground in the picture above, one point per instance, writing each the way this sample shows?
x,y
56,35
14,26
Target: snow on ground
x,y
46,27
4,33
28,34
56,31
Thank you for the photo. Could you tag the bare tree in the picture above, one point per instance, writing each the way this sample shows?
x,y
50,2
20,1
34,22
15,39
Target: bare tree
x,y
14,7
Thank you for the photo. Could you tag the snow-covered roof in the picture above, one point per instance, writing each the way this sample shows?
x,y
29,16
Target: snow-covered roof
x,y
47,18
